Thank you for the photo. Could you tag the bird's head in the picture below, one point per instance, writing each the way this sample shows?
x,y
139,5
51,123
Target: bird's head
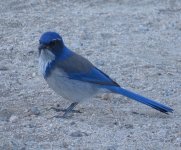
x,y
52,42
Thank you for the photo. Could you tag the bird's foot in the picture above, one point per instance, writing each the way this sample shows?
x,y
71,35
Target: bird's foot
x,y
67,112
64,110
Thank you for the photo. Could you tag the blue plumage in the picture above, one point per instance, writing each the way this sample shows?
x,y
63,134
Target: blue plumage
x,y
141,99
48,37
75,78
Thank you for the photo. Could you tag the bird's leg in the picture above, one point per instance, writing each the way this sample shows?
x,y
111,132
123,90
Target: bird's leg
x,y
68,110
71,107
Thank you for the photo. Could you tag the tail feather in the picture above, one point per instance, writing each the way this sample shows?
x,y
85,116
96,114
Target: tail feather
x,y
158,106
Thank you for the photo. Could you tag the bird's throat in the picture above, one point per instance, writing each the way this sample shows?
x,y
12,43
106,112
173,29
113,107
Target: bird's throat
x,y
45,59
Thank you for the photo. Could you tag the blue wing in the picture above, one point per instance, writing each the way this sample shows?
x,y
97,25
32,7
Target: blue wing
x,y
78,68
95,76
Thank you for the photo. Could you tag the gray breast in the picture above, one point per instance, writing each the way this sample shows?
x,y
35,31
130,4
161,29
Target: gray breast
x,y
73,90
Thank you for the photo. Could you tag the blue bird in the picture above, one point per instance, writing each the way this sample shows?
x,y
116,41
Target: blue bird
x,y
75,78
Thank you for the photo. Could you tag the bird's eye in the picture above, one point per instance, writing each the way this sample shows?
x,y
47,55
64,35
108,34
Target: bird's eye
x,y
53,43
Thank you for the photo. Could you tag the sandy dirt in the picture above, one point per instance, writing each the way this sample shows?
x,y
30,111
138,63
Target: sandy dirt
x,y
136,42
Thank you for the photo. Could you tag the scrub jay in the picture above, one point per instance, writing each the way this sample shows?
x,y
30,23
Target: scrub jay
x,y
75,78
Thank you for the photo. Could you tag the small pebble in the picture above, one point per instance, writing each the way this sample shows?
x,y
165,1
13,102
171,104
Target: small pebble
x,y
134,112
13,118
31,52
88,53
143,28
116,123
128,126
5,115
45,146
33,74
78,134
106,96
3,68
106,35
32,125
35,111
72,123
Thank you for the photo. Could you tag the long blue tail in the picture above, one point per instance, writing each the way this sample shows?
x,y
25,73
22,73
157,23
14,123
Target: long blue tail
x,y
158,106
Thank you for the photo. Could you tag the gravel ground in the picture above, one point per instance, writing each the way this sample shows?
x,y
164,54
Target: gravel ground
x,y
136,42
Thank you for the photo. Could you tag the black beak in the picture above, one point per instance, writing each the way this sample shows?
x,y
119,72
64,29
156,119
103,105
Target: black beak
x,y
40,47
